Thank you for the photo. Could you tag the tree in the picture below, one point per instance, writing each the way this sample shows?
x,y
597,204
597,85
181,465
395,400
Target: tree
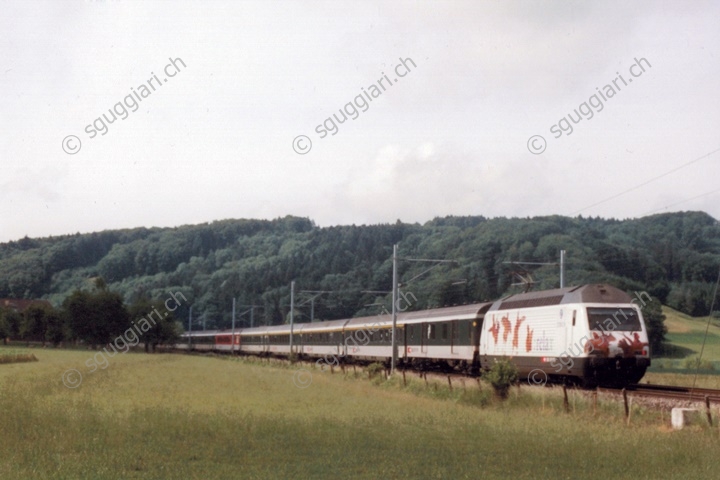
x,y
79,309
4,328
98,317
57,328
12,321
163,329
34,323
655,324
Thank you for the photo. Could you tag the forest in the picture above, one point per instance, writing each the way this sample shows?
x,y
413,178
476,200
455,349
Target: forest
x,y
345,271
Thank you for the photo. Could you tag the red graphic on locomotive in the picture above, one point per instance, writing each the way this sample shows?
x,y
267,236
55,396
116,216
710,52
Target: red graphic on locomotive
x,y
507,326
495,329
516,331
528,339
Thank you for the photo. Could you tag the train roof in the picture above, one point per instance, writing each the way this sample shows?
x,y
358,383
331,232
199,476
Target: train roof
x,y
592,293
201,333
462,312
319,327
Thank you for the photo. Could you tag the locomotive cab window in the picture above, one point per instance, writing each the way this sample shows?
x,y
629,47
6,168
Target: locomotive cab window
x,y
611,319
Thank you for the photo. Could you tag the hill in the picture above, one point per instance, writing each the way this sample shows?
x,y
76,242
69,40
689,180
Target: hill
x,y
674,257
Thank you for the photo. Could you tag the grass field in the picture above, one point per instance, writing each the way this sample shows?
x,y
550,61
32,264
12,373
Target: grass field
x,y
685,335
187,417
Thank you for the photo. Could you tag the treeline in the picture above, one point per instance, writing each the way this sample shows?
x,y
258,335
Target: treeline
x,y
674,257
94,318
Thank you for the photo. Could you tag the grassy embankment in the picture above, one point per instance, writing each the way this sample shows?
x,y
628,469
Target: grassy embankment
x,y
179,416
685,335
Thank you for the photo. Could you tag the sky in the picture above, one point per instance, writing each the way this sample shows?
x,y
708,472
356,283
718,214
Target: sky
x,y
122,114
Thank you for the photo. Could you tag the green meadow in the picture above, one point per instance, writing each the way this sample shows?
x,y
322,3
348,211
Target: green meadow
x,y
685,336
203,417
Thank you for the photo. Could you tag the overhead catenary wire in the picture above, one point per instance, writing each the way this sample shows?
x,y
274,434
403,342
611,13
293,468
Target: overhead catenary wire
x,y
683,201
647,182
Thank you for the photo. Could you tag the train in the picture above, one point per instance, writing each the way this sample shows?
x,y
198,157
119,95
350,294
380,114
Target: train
x,y
590,335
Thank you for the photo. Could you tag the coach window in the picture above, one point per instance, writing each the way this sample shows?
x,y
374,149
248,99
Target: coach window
x,y
444,331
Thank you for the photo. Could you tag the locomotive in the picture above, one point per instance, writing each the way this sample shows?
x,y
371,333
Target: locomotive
x,y
588,334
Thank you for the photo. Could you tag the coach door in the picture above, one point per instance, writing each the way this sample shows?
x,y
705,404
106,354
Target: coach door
x,y
570,330
424,337
454,336
563,331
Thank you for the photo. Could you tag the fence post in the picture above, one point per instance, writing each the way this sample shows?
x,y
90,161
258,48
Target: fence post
x,y
595,395
627,408
707,410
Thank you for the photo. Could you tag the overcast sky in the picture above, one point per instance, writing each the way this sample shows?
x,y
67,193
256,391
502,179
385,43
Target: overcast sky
x,y
446,98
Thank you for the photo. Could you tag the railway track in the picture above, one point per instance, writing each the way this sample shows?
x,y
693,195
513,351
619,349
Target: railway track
x,y
671,392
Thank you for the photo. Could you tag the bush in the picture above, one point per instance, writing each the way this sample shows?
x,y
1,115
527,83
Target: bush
x,y
375,369
15,357
502,376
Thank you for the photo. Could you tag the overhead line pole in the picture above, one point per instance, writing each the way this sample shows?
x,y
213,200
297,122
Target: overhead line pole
x,y
394,310
395,297
312,300
292,310
562,266
232,336
190,328
252,312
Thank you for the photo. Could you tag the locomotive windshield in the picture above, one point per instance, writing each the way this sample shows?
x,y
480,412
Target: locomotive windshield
x,y
610,319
